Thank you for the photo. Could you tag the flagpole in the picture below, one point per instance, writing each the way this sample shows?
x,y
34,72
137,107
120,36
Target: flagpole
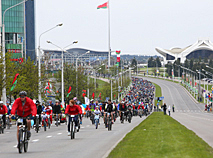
x,y
109,35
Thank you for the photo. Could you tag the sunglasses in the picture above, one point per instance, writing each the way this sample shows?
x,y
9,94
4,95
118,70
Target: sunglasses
x,y
22,96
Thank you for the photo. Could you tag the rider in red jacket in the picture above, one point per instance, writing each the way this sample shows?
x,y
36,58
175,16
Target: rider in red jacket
x,y
73,109
3,111
25,107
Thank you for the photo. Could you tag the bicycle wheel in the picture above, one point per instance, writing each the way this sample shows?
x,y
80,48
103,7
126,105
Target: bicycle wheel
x,y
109,123
57,121
20,141
2,130
49,123
8,124
72,131
96,124
37,126
25,142
45,126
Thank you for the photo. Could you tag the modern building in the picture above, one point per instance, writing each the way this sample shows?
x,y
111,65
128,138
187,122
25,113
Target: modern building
x,y
19,28
53,57
202,48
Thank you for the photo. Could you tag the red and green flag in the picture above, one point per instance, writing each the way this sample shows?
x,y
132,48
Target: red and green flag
x,y
118,52
103,6
84,93
93,95
14,82
69,91
100,96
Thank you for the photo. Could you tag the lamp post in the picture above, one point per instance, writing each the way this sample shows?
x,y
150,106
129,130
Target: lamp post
x,y
4,92
39,59
76,71
62,68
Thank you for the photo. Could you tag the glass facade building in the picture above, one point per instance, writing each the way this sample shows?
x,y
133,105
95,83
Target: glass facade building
x,y
17,26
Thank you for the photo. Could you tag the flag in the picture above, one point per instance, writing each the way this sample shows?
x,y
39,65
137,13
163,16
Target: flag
x,y
93,95
100,96
84,91
118,51
103,6
69,91
14,82
83,95
118,58
114,96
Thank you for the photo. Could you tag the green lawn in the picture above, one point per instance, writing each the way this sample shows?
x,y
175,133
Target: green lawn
x,y
158,93
161,136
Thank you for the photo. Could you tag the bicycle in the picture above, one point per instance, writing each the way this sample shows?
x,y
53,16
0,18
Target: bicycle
x,y
1,124
92,117
129,117
109,122
96,120
122,116
56,115
140,112
72,126
22,137
44,118
37,123
8,122
49,122
105,119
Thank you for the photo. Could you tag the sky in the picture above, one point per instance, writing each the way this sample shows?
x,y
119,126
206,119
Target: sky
x,y
136,26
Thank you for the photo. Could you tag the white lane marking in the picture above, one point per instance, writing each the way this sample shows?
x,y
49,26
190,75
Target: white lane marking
x,y
59,133
48,136
35,140
15,146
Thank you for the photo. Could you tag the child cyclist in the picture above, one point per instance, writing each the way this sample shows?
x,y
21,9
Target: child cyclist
x,y
97,113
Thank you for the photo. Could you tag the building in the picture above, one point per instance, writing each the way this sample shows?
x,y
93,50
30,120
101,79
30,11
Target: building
x,y
53,57
19,28
202,48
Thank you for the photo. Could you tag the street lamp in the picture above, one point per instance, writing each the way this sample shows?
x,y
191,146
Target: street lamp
x,y
62,68
4,92
76,70
39,59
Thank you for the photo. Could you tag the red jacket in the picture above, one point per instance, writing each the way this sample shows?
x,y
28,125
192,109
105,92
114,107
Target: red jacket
x,y
3,109
73,110
87,108
28,108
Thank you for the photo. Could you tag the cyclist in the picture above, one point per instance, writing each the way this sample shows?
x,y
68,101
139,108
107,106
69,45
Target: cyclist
x,y
72,109
92,108
97,112
3,110
110,108
122,108
9,110
39,110
49,111
57,109
25,107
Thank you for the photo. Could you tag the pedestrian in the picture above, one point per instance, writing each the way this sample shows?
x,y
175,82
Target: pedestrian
x,y
169,108
164,108
173,108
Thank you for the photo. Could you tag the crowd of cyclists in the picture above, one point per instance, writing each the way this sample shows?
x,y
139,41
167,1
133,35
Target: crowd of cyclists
x,y
137,102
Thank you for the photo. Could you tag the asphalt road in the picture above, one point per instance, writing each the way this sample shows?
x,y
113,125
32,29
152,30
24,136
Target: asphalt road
x,y
89,142
187,111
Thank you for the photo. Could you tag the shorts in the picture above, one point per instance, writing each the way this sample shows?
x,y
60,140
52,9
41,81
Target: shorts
x,y
24,120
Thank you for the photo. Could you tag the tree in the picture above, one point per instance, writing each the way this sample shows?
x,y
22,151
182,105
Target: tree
x,y
134,63
158,62
191,63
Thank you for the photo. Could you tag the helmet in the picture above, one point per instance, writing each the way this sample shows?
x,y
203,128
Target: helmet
x,y
75,98
57,101
23,93
37,102
92,100
122,102
1,102
97,106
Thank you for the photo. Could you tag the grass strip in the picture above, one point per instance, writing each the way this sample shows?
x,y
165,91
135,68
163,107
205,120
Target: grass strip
x,y
158,93
160,136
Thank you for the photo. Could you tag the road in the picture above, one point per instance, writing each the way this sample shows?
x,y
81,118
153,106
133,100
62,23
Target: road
x,y
89,142
187,111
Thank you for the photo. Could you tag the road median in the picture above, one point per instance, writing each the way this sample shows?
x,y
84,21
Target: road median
x,y
161,136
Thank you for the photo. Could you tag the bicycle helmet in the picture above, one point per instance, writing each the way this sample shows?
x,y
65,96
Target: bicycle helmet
x,y
75,98
23,93
1,102
57,101
92,100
